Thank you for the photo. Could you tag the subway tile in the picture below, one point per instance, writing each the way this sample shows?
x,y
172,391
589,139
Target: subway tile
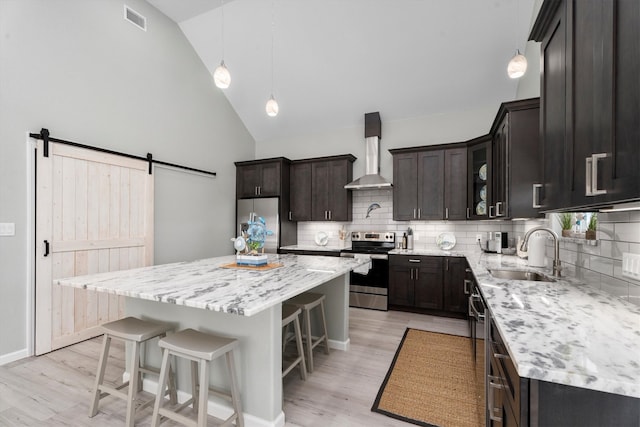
x,y
627,232
613,249
634,216
613,286
601,264
634,294
605,231
613,217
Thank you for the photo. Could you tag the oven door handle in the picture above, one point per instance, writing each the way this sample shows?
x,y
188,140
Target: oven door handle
x,y
373,256
472,307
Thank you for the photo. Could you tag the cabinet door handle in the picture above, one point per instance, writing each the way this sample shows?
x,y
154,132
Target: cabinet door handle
x,y
417,275
330,215
414,260
446,264
490,212
411,273
536,196
595,191
419,213
446,213
491,398
499,211
46,248
588,180
414,213
290,216
467,286
468,213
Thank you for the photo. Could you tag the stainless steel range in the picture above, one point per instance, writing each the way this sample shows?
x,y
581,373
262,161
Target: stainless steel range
x,y
369,288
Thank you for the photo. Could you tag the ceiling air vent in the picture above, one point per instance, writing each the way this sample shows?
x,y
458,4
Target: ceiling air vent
x,y
135,18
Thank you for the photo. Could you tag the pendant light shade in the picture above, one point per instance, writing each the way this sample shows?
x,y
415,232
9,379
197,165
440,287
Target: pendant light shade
x,y
272,107
221,76
517,66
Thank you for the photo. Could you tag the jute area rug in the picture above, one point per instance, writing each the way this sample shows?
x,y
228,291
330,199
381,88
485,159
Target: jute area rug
x,y
432,381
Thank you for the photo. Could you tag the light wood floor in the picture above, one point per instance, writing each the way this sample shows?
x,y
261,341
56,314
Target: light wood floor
x,y
54,389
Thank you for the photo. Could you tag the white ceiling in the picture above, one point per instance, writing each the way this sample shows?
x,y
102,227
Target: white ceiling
x,y
335,60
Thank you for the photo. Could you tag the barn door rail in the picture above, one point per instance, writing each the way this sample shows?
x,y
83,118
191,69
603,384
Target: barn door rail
x,y
46,138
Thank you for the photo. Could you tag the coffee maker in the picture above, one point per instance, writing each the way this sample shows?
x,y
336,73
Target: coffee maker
x,y
495,241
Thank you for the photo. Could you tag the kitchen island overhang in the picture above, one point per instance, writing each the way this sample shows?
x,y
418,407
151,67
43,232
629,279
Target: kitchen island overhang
x,y
244,304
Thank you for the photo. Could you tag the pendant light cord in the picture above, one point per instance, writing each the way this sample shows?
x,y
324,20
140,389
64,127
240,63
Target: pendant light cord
x,y
222,26
517,23
273,26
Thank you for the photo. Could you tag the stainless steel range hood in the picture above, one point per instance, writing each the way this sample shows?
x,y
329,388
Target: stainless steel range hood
x,y
372,178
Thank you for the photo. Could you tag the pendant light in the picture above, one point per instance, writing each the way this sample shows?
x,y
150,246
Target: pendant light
x,y
272,105
518,64
221,75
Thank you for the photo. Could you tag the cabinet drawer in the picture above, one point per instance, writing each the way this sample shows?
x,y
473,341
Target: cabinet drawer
x,y
506,369
416,261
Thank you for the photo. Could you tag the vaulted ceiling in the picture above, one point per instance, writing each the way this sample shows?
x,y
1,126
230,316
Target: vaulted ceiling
x,y
335,60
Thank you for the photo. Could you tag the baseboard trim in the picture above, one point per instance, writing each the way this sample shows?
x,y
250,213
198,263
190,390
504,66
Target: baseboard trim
x,y
340,345
219,410
12,357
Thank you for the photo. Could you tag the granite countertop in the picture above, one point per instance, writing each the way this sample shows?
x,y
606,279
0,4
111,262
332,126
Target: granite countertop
x,y
205,284
317,248
564,332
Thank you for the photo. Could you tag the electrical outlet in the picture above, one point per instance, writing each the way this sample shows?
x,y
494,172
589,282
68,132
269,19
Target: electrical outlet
x,y
478,237
631,265
7,229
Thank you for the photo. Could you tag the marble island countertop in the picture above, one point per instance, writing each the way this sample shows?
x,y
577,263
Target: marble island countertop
x,y
565,331
205,284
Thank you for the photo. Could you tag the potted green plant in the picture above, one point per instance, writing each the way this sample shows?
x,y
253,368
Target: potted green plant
x,y
565,219
590,234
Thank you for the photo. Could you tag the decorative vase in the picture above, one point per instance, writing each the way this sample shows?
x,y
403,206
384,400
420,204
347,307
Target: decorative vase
x,y
566,233
590,234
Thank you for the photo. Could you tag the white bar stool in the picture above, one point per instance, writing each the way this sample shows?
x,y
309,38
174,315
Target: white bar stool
x,y
134,331
290,314
307,301
200,348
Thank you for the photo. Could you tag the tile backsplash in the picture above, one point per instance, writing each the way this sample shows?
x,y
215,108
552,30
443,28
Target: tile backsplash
x,y
600,265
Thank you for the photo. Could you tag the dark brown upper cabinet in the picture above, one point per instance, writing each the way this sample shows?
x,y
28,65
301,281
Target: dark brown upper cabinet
x,y
590,102
301,193
430,182
317,189
515,167
262,178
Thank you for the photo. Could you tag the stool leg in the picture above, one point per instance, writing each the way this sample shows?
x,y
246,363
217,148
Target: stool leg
x,y
173,386
194,385
235,390
307,325
102,365
162,380
203,397
302,365
324,325
133,384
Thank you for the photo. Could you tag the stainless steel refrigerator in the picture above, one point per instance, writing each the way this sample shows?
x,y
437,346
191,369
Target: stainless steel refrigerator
x,y
267,207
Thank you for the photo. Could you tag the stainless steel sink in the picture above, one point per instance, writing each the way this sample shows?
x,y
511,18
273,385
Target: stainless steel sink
x,y
520,275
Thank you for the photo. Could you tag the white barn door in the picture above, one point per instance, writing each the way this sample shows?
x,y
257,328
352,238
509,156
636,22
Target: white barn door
x,y
94,212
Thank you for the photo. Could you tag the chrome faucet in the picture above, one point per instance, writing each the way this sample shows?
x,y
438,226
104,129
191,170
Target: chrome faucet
x,y
556,254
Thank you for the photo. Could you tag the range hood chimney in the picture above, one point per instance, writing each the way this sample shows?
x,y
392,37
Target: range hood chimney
x,y
372,178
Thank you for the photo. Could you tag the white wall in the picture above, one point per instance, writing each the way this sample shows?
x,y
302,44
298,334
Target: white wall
x,y
428,130
79,69
529,84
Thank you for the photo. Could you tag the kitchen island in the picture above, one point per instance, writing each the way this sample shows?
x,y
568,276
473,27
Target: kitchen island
x,y
241,303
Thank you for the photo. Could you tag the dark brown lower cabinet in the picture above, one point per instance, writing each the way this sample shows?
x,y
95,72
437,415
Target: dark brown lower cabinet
x,y
431,284
515,401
